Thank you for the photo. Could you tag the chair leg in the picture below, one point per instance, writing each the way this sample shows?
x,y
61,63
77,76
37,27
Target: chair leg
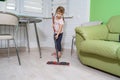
x,y
72,45
8,48
17,52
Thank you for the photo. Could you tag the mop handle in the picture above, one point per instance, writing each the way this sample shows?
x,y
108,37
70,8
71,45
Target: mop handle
x,y
55,39
53,22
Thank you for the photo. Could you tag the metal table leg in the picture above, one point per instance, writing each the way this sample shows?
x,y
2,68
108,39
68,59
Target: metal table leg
x,y
38,43
27,36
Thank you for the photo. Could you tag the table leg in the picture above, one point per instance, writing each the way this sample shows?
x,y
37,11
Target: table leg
x,y
38,43
27,37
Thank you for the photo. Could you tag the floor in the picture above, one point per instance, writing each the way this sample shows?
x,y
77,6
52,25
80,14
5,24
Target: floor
x,y
34,68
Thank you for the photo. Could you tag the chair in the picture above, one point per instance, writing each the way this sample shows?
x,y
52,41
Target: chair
x,y
8,19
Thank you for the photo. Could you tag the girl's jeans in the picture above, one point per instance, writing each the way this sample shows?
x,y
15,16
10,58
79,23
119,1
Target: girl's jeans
x,y
58,41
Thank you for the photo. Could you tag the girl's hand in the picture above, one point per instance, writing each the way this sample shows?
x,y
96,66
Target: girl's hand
x,y
56,37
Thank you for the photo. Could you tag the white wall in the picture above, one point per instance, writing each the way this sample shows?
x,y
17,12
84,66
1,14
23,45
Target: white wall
x,y
79,9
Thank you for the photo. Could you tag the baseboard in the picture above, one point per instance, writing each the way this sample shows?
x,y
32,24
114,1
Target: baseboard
x,y
12,49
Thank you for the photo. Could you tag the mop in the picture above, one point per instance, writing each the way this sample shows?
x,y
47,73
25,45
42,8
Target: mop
x,y
56,62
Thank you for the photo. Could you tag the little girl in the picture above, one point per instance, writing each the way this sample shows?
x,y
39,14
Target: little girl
x,y
58,28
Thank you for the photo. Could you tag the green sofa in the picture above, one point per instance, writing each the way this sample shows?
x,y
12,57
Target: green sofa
x,y
99,47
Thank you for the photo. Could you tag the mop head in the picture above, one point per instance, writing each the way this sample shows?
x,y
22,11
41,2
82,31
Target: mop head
x,y
58,63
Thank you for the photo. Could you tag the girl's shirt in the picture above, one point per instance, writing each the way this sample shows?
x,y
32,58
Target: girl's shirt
x,y
57,24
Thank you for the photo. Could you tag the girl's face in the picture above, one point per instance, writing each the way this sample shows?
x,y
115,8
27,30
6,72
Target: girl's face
x,y
59,15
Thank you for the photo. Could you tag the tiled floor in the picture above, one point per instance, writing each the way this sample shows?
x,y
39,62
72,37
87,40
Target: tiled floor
x,y
34,68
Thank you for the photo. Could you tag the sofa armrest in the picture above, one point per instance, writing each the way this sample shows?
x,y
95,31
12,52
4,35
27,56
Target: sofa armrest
x,y
92,32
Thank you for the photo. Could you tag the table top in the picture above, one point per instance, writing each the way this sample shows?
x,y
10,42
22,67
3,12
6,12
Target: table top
x,y
30,19
25,19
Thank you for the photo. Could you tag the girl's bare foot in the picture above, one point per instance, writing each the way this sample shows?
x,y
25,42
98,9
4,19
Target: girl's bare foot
x,y
59,54
53,54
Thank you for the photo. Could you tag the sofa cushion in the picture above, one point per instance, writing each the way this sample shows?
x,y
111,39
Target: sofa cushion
x,y
113,37
99,47
118,53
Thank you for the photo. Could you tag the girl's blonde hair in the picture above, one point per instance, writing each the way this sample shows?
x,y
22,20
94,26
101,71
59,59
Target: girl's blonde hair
x,y
60,9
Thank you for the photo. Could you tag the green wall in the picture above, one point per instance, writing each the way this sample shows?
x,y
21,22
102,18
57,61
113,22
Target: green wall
x,y
103,9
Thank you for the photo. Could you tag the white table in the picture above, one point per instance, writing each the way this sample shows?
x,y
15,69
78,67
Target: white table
x,y
27,20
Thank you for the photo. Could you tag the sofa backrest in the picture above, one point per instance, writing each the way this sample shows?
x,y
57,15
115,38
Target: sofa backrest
x,y
114,24
93,32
